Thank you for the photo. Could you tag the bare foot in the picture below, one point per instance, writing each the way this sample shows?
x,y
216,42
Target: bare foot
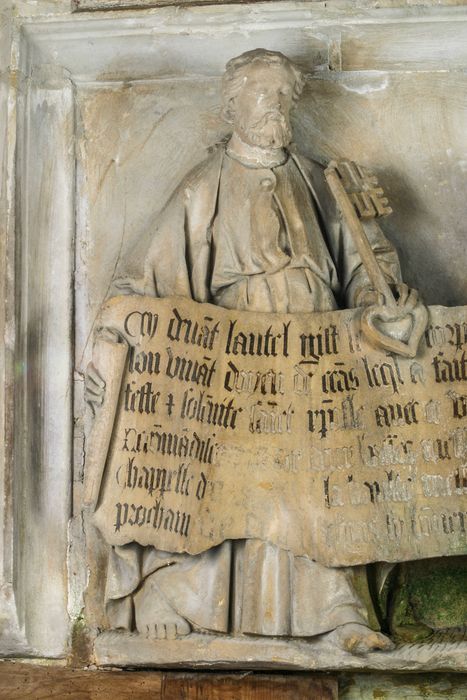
x,y
358,639
155,618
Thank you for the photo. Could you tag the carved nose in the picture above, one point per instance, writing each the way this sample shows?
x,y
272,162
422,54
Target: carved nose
x,y
267,184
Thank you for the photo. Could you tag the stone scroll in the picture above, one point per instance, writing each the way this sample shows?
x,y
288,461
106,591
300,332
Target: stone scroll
x,y
287,428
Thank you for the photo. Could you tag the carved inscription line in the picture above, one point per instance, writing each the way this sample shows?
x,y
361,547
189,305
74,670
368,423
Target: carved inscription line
x,y
288,428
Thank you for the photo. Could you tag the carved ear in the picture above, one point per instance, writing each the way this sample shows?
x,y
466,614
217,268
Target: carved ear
x,y
228,111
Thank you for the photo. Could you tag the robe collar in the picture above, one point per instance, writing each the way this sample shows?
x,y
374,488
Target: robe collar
x,y
254,156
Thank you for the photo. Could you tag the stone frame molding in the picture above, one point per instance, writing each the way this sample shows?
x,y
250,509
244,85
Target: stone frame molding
x,y
42,61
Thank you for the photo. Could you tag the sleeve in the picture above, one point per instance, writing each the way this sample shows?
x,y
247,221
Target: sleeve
x,y
165,267
353,276
178,261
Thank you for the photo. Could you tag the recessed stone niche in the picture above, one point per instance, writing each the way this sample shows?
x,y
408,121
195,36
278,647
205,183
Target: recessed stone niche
x,y
102,114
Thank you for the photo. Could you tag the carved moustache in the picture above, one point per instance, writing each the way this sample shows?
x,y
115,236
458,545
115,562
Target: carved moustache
x,y
272,115
272,129
275,119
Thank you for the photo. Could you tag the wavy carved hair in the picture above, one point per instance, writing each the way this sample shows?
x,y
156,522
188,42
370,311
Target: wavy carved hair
x,y
235,76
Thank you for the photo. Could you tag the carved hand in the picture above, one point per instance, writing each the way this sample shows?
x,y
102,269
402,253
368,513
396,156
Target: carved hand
x,y
405,297
94,388
129,285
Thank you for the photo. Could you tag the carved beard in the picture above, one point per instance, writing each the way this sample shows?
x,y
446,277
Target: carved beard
x,y
271,131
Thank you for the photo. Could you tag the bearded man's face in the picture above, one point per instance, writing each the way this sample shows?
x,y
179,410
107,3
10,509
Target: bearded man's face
x,y
262,108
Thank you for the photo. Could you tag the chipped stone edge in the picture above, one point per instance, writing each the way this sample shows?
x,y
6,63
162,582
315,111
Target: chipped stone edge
x,y
124,649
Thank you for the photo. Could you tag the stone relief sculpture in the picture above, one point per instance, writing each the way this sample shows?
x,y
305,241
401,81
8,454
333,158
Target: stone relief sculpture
x,y
256,227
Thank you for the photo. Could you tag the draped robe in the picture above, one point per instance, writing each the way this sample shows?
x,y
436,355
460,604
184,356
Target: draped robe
x,y
254,239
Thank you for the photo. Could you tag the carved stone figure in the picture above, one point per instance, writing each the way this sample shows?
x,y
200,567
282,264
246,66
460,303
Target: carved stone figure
x,y
253,227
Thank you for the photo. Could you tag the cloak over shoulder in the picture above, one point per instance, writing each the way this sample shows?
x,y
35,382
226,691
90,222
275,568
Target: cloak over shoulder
x,y
179,258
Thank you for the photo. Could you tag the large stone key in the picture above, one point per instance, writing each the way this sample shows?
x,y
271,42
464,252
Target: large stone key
x,y
362,189
359,198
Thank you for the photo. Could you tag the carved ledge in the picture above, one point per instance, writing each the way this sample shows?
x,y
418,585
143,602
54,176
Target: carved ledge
x,y
448,652
86,5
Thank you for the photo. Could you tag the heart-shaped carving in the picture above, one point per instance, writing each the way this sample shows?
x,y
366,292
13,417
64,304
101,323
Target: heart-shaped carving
x,y
408,327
